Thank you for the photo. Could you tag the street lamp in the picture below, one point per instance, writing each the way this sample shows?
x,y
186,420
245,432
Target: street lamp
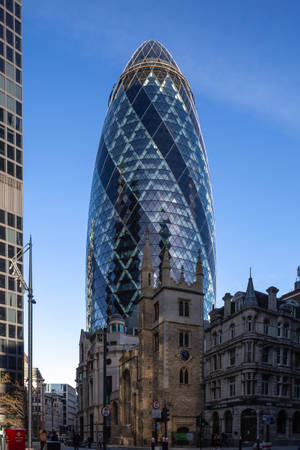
x,y
23,285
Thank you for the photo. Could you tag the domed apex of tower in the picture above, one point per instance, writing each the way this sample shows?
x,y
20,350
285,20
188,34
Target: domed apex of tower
x,y
151,51
151,172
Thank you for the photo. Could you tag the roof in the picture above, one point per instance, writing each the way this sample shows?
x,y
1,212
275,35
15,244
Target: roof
x,y
152,51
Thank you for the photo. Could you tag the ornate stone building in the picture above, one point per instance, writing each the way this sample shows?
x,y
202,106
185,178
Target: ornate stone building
x,y
167,365
252,365
89,377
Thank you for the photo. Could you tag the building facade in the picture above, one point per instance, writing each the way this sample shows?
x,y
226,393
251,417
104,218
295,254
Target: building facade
x,y
38,397
252,366
54,417
151,171
69,402
11,188
89,376
166,366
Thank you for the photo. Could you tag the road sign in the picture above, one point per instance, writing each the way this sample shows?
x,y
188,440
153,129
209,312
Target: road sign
x,y
105,411
156,404
267,419
156,413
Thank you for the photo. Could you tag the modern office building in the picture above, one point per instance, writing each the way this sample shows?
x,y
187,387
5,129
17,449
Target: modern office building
x,y
151,171
69,401
11,187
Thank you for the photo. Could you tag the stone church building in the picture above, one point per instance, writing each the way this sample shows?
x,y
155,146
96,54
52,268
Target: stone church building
x,y
166,366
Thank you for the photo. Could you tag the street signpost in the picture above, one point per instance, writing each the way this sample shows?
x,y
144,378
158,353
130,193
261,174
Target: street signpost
x,y
156,404
105,411
156,413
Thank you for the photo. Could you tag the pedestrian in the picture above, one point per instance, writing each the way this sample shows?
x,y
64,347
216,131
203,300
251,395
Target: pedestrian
x,y
43,439
89,441
100,441
76,441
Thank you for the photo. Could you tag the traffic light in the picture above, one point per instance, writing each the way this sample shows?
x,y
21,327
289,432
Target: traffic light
x,y
200,422
165,414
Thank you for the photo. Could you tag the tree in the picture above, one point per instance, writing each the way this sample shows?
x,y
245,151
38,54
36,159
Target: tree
x,y
13,402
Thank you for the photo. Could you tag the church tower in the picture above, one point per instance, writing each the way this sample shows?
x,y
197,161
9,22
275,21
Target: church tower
x,y
170,348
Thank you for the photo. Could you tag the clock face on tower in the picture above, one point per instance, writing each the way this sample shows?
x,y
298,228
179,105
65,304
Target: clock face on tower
x,y
184,355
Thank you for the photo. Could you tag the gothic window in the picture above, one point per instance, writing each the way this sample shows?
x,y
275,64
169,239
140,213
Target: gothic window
x,y
156,311
184,308
184,339
184,376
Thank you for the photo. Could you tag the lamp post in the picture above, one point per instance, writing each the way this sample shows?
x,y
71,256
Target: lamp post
x,y
19,277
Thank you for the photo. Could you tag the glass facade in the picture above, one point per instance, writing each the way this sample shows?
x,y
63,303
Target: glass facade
x,y
11,188
151,171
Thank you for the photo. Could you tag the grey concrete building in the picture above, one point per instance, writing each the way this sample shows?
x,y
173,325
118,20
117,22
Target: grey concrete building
x,y
69,401
89,375
252,365
54,419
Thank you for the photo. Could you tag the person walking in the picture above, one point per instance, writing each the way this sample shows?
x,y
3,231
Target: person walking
x,y
43,439
76,441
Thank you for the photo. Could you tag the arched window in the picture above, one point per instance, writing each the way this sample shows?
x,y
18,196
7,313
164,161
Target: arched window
x,y
296,422
232,331
228,422
186,377
281,422
249,324
183,376
279,329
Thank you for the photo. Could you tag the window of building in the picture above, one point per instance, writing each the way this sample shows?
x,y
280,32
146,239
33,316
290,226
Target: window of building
x,y
156,311
279,329
11,331
265,354
232,357
220,361
2,216
232,331
11,219
278,356
215,339
266,326
213,390
184,339
231,381
265,384
298,335
249,324
285,357
249,383
220,337
297,388
249,352
215,362
286,330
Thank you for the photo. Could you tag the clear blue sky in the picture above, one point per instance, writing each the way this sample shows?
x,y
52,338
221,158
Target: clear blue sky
x,y
242,61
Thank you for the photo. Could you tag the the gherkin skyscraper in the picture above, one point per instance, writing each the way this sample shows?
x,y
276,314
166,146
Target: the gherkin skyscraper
x,y
151,171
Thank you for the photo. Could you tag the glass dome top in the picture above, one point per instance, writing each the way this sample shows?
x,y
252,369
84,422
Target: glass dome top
x,y
151,51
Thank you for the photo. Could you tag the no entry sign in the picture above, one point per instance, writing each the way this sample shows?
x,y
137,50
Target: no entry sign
x,y
105,411
156,404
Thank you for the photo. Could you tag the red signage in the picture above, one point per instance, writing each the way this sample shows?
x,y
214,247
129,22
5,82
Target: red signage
x,y
15,438
105,411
